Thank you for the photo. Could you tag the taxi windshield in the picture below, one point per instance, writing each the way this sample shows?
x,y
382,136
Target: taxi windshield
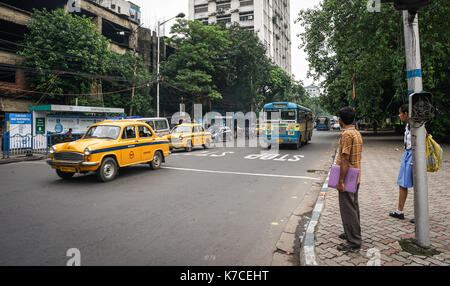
x,y
103,131
182,129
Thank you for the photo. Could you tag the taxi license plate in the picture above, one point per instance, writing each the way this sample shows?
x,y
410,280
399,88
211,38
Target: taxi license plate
x,y
68,169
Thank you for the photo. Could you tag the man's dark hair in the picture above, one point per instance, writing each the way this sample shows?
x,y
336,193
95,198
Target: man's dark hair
x,y
347,115
404,108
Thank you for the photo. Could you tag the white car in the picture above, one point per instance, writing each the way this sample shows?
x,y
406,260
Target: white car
x,y
336,126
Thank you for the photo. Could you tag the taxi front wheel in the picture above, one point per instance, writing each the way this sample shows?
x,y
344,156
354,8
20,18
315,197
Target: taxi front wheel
x,y
157,161
108,170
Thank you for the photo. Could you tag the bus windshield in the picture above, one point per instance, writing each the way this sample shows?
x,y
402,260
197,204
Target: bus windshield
x,y
285,115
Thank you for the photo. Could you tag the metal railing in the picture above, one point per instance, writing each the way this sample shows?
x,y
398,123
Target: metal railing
x,y
23,145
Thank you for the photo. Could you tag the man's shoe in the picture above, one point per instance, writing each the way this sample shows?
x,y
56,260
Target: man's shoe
x,y
348,247
396,215
343,236
413,220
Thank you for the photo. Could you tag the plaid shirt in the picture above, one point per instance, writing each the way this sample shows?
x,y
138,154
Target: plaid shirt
x,y
351,143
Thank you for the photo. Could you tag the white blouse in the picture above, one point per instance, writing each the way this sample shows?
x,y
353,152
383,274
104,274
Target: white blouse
x,y
407,138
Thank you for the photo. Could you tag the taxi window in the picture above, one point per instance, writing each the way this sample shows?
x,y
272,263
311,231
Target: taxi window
x,y
196,129
151,123
129,132
144,132
161,125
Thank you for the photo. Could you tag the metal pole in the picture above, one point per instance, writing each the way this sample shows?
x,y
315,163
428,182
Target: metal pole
x,y
418,134
157,71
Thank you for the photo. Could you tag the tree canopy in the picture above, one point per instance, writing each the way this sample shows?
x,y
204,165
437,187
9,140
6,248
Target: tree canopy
x,y
343,39
221,67
66,55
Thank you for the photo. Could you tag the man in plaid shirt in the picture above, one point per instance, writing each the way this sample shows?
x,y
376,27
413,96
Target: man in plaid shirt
x,y
349,156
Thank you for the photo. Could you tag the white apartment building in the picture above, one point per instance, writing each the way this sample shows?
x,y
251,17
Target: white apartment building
x,y
269,19
313,91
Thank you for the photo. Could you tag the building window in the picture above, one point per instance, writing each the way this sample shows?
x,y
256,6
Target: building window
x,y
201,8
246,3
247,16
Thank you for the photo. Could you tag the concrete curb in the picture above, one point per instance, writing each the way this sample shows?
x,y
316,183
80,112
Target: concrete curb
x,y
22,159
307,253
289,248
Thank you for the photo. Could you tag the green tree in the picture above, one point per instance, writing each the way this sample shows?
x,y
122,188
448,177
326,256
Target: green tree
x,y
344,40
200,54
64,54
248,70
121,77
279,86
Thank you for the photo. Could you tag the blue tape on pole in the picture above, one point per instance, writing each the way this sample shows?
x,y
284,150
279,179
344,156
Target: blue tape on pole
x,y
414,73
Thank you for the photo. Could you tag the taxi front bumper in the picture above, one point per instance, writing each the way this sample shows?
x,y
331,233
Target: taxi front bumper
x,y
54,163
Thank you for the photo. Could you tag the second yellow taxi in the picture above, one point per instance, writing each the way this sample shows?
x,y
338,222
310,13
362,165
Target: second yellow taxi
x,y
188,135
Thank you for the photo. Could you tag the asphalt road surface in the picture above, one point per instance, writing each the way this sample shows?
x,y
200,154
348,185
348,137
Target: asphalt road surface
x,y
222,206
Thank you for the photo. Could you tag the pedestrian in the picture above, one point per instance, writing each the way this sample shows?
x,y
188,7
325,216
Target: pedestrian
x,y
405,175
68,137
349,156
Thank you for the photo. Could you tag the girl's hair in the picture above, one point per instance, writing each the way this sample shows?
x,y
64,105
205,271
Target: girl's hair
x,y
404,108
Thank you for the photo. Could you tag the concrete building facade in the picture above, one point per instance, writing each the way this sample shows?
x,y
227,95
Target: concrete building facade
x,y
313,91
269,19
16,14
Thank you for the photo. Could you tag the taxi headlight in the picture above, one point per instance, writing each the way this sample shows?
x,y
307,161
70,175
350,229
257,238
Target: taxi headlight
x,y
52,150
87,151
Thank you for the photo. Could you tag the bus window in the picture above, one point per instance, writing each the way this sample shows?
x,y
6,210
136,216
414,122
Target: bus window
x,y
285,115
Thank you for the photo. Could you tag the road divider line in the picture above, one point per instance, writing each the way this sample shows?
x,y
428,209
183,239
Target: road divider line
x,y
242,174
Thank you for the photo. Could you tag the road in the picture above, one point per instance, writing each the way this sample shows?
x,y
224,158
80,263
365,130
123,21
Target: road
x,y
222,206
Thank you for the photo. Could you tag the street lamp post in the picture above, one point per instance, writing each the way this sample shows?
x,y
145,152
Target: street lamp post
x,y
181,15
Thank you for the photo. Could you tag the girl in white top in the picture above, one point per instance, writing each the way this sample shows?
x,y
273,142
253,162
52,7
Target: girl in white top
x,y
405,176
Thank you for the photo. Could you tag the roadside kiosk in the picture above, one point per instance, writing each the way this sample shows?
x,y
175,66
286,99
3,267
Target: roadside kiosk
x,y
52,122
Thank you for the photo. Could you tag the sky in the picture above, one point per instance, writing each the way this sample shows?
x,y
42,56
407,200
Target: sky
x,y
154,10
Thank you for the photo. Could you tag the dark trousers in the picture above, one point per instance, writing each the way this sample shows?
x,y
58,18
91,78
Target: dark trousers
x,y
349,207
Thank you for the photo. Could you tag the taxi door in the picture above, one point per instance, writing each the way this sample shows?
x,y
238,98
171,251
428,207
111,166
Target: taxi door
x,y
146,138
129,152
197,135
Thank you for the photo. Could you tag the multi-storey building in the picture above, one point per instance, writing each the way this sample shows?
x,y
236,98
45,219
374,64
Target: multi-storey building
x,y
313,90
269,19
117,20
122,7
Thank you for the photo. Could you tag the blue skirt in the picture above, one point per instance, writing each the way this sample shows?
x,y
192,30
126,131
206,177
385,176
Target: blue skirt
x,y
405,176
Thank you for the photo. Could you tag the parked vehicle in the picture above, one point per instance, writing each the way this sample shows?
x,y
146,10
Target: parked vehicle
x,y
108,146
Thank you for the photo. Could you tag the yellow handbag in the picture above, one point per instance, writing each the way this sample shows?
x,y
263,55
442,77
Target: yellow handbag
x,y
434,154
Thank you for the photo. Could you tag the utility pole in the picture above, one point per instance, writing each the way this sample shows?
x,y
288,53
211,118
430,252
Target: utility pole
x,y
134,71
157,70
418,133
180,15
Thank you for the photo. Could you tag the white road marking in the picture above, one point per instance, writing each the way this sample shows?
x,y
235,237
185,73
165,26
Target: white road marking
x,y
242,174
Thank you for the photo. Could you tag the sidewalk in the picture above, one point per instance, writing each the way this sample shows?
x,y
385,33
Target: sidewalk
x,y
378,196
22,158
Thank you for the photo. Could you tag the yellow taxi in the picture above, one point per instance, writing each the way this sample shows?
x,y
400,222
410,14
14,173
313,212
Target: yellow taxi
x,y
189,135
108,146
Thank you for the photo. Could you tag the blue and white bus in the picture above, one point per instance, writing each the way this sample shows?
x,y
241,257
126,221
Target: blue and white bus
x,y
323,123
294,122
